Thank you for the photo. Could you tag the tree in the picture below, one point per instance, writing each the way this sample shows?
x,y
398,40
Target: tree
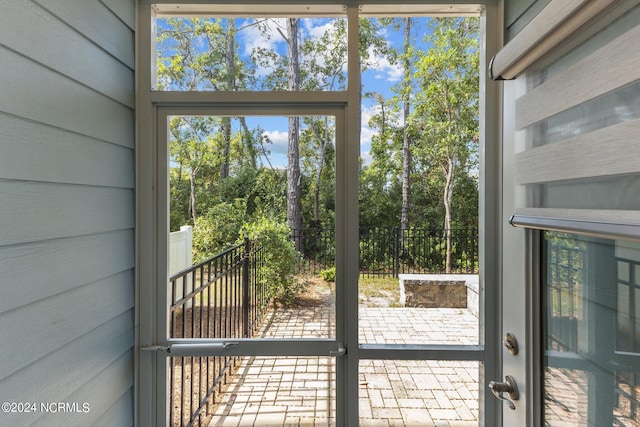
x,y
446,109
190,147
406,110
200,54
294,204
317,151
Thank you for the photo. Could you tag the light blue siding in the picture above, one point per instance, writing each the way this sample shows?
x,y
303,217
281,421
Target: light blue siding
x,y
518,13
67,212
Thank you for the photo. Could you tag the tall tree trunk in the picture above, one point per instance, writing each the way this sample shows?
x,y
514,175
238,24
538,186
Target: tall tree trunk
x,y
294,209
192,194
447,198
250,143
226,149
230,84
323,141
406,151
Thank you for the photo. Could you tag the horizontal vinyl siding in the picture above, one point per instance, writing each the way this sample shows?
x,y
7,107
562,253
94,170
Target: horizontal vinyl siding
x,y
35,152
518,13
67,209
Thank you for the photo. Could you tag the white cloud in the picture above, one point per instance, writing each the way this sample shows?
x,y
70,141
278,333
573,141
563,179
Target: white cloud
x,y
369,112
383,69
317,31
366,157
279,141
265,35
367,134
277,148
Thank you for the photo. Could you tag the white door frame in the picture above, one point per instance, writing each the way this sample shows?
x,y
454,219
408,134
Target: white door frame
x,y
256,104
151,107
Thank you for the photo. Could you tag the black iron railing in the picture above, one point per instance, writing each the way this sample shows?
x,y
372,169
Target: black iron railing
x,y
221,297
389,251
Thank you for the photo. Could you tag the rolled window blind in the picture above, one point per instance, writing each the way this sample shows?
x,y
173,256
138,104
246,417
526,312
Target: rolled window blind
x,y
555,23
578,125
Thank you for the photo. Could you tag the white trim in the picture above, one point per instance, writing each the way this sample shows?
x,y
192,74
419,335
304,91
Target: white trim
x,y
148,383
400,10
255,10
201,347
348,168
151,222
422,352
248,98
489,221
612,224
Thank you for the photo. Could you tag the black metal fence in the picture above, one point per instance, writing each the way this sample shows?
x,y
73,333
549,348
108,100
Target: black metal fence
x,y
222,297
389,251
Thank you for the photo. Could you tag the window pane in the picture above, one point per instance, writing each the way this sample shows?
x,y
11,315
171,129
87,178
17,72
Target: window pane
x,y
592,343
231,177
253,391
248,53
418,393
418,235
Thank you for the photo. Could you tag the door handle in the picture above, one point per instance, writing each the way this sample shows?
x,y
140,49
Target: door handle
x,y
509,386
341,351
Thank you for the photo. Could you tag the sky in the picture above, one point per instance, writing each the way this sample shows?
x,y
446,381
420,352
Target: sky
x,y
379,79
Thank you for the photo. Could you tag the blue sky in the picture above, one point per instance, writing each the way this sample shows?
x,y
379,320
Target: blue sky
x,y
379,79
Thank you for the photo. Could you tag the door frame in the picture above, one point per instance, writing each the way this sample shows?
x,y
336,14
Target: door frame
x,y
151,249
253,105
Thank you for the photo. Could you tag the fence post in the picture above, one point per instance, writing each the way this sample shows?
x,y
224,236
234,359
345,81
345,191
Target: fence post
x,y
246,265
473,250
396,250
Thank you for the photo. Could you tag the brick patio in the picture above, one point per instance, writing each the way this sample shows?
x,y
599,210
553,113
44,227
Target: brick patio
x,y
298,391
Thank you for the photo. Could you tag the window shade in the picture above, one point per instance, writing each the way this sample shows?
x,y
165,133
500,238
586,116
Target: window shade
x,y
578,135
558,21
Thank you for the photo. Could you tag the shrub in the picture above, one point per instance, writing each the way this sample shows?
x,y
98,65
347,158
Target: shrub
x,y
216,230
329,275
279,260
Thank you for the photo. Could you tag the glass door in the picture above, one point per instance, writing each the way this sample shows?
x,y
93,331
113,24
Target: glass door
x,y
253,335
591,331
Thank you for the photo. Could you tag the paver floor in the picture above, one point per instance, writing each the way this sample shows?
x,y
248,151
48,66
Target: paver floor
x,y
300,391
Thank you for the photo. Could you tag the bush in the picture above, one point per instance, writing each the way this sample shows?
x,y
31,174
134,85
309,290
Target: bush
x,y
279,259
216,230
329,275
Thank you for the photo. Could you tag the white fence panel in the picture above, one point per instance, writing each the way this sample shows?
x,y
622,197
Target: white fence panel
x,y
180,254
181,257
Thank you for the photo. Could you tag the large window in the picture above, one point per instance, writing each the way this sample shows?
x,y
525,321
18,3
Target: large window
x,y
591,324
275,52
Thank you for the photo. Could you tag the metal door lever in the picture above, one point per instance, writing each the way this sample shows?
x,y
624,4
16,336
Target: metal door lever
x,y
508,386
341,351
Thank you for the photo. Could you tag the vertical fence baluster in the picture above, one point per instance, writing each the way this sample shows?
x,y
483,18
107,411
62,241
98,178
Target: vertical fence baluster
x,y
245,287
232,297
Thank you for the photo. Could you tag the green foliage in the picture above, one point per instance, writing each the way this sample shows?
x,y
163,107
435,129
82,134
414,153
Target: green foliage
x,y
179,199
218,184
217,229
328,275
279,258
